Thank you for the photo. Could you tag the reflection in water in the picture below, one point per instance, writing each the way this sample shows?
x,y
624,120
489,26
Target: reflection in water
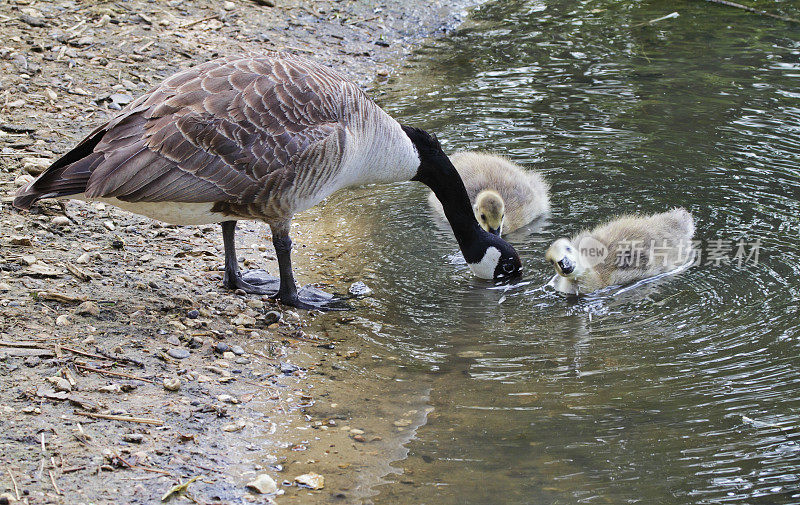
x,y
684,390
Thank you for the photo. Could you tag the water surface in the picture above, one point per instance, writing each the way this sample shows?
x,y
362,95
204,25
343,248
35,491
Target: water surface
x,y
685,390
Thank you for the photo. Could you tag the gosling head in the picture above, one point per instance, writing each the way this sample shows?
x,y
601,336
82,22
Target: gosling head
x,y
565,258
490,211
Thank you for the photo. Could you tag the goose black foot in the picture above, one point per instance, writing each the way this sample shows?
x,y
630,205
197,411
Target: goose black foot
x,y
254,282
311,298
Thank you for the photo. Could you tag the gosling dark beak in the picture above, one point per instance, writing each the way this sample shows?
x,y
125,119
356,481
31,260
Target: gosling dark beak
x,y
566,265
494,231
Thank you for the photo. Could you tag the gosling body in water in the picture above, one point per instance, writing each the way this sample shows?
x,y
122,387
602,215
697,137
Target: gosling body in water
x,y
625,250
504,196
260,138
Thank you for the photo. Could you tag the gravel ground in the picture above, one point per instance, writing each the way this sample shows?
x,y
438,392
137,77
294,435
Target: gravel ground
x,y
125,367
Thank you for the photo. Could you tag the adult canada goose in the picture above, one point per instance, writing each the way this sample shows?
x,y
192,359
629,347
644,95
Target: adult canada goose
x,y
625,250
260,138
504,196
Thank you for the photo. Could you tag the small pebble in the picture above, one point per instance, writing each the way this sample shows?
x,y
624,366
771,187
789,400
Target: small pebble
x,y
222,347
263,484
273,316
228,399
359,289
228,6
179,353
7,498
121,99
60,384
288,368
60,221
63,320
311,479
19,240
244,320
133,438
237,350
88,308
237,426
193,314
172,339
109,225
172,383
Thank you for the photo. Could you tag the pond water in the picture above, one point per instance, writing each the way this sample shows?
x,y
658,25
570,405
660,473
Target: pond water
x,y
685,390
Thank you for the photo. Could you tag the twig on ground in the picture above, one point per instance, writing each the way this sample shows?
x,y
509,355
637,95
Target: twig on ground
x,y
115,374
85,354
53,480
123,359
198,21
14,483
139,467
110,417
27,345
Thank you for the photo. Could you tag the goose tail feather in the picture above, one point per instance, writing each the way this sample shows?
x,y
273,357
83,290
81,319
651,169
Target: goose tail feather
x,y
67,176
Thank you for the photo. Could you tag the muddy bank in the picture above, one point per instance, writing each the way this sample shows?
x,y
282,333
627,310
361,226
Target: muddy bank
x,y
126,368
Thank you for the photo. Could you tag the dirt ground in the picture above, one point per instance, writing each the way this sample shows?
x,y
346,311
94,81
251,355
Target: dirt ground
x,y
125,368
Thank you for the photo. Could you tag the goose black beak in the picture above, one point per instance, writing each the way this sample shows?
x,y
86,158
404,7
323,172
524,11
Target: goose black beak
x,y
566,265
494,231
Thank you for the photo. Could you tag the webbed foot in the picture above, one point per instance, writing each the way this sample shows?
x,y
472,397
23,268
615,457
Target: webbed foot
x,y
312,298
254,282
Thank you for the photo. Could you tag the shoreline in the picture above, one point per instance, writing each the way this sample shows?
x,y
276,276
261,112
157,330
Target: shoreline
x,y
102,311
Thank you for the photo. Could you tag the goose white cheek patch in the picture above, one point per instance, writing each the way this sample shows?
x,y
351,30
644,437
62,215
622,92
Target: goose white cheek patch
x,y
486,266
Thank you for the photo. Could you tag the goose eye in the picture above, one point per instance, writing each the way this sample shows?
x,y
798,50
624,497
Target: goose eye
x,y
569,249
508,268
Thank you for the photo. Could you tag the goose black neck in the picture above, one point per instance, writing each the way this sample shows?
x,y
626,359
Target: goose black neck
x,y
438,173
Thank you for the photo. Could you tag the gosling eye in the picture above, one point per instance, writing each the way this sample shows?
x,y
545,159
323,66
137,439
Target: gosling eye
x,y
483,217
569,249
552,262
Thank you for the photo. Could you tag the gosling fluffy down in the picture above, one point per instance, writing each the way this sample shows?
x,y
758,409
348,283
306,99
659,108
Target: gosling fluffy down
x,y
504,196
625,250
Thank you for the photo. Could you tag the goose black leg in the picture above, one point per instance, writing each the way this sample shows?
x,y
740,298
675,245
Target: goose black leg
x,y
256,282
308,297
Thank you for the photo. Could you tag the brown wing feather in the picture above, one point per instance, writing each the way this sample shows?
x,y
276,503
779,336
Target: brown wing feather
x,y
230,130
